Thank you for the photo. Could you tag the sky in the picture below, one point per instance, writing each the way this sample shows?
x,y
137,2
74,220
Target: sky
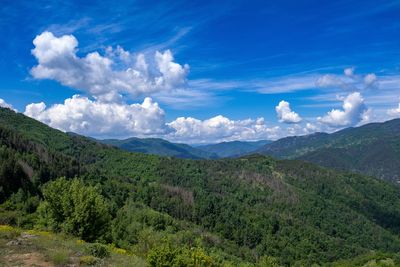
x,y
201,71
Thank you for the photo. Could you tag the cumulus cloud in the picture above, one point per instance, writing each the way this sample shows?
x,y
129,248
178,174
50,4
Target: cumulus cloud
x,y
105,77
116,120
4,104
285,114
353,111
101,119
219,129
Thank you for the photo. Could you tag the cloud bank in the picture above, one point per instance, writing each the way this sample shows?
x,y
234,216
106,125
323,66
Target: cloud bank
x,y
103,120
220,128
93,118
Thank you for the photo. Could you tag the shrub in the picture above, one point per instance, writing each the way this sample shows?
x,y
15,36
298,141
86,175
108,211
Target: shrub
x,y
88,260
167,255
97,250
9,232
59,257
162,256
268,261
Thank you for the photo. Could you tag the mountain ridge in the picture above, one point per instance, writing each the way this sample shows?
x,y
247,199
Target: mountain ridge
x,y
158,146
233,148
372,149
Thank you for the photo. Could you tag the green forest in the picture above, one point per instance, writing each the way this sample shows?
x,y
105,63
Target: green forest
x,y
249,211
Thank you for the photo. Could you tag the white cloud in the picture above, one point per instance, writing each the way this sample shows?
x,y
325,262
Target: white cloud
x,y
354,111
349,71
366,117
283,84
348,81
115,120
285,114
4,104
101,119
311,128
220,128
370,79
328,80
394,112
105,77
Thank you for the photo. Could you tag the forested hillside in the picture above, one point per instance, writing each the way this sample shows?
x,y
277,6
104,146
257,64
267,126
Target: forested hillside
x,y
372,149
234,148
252,210
161,147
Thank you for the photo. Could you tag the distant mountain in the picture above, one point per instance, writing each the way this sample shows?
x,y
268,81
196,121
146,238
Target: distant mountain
x,y
234,148
161,147
372,149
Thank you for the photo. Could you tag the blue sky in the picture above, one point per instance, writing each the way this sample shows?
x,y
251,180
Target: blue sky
x,y
334,64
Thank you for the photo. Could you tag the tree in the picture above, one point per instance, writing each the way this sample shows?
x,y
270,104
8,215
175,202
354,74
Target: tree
x,y
72,207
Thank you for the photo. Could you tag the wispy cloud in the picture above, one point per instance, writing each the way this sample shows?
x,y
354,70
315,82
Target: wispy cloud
x,y
70,27
277,85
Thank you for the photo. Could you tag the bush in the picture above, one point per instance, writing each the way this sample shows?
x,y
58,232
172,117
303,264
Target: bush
x,y
162,256
9,232
166,255
88,260
97,250
268,261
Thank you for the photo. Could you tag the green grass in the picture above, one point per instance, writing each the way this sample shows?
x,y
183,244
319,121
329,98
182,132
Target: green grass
x,y
59,256
57,249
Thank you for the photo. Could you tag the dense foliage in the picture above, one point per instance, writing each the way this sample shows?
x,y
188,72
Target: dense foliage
x,y
372,149
253,210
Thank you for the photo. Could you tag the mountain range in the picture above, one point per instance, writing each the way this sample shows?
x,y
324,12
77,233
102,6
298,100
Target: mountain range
x,y
249,211
233,148
161,147
372,149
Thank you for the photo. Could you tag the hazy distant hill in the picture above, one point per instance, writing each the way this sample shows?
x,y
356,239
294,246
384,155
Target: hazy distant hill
x,y
234,148
161,147
372,149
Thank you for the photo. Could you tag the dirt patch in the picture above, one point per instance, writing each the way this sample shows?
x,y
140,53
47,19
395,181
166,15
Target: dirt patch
x,y
27,259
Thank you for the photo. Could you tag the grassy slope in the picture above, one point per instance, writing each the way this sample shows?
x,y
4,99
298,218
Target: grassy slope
x,y
38,248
